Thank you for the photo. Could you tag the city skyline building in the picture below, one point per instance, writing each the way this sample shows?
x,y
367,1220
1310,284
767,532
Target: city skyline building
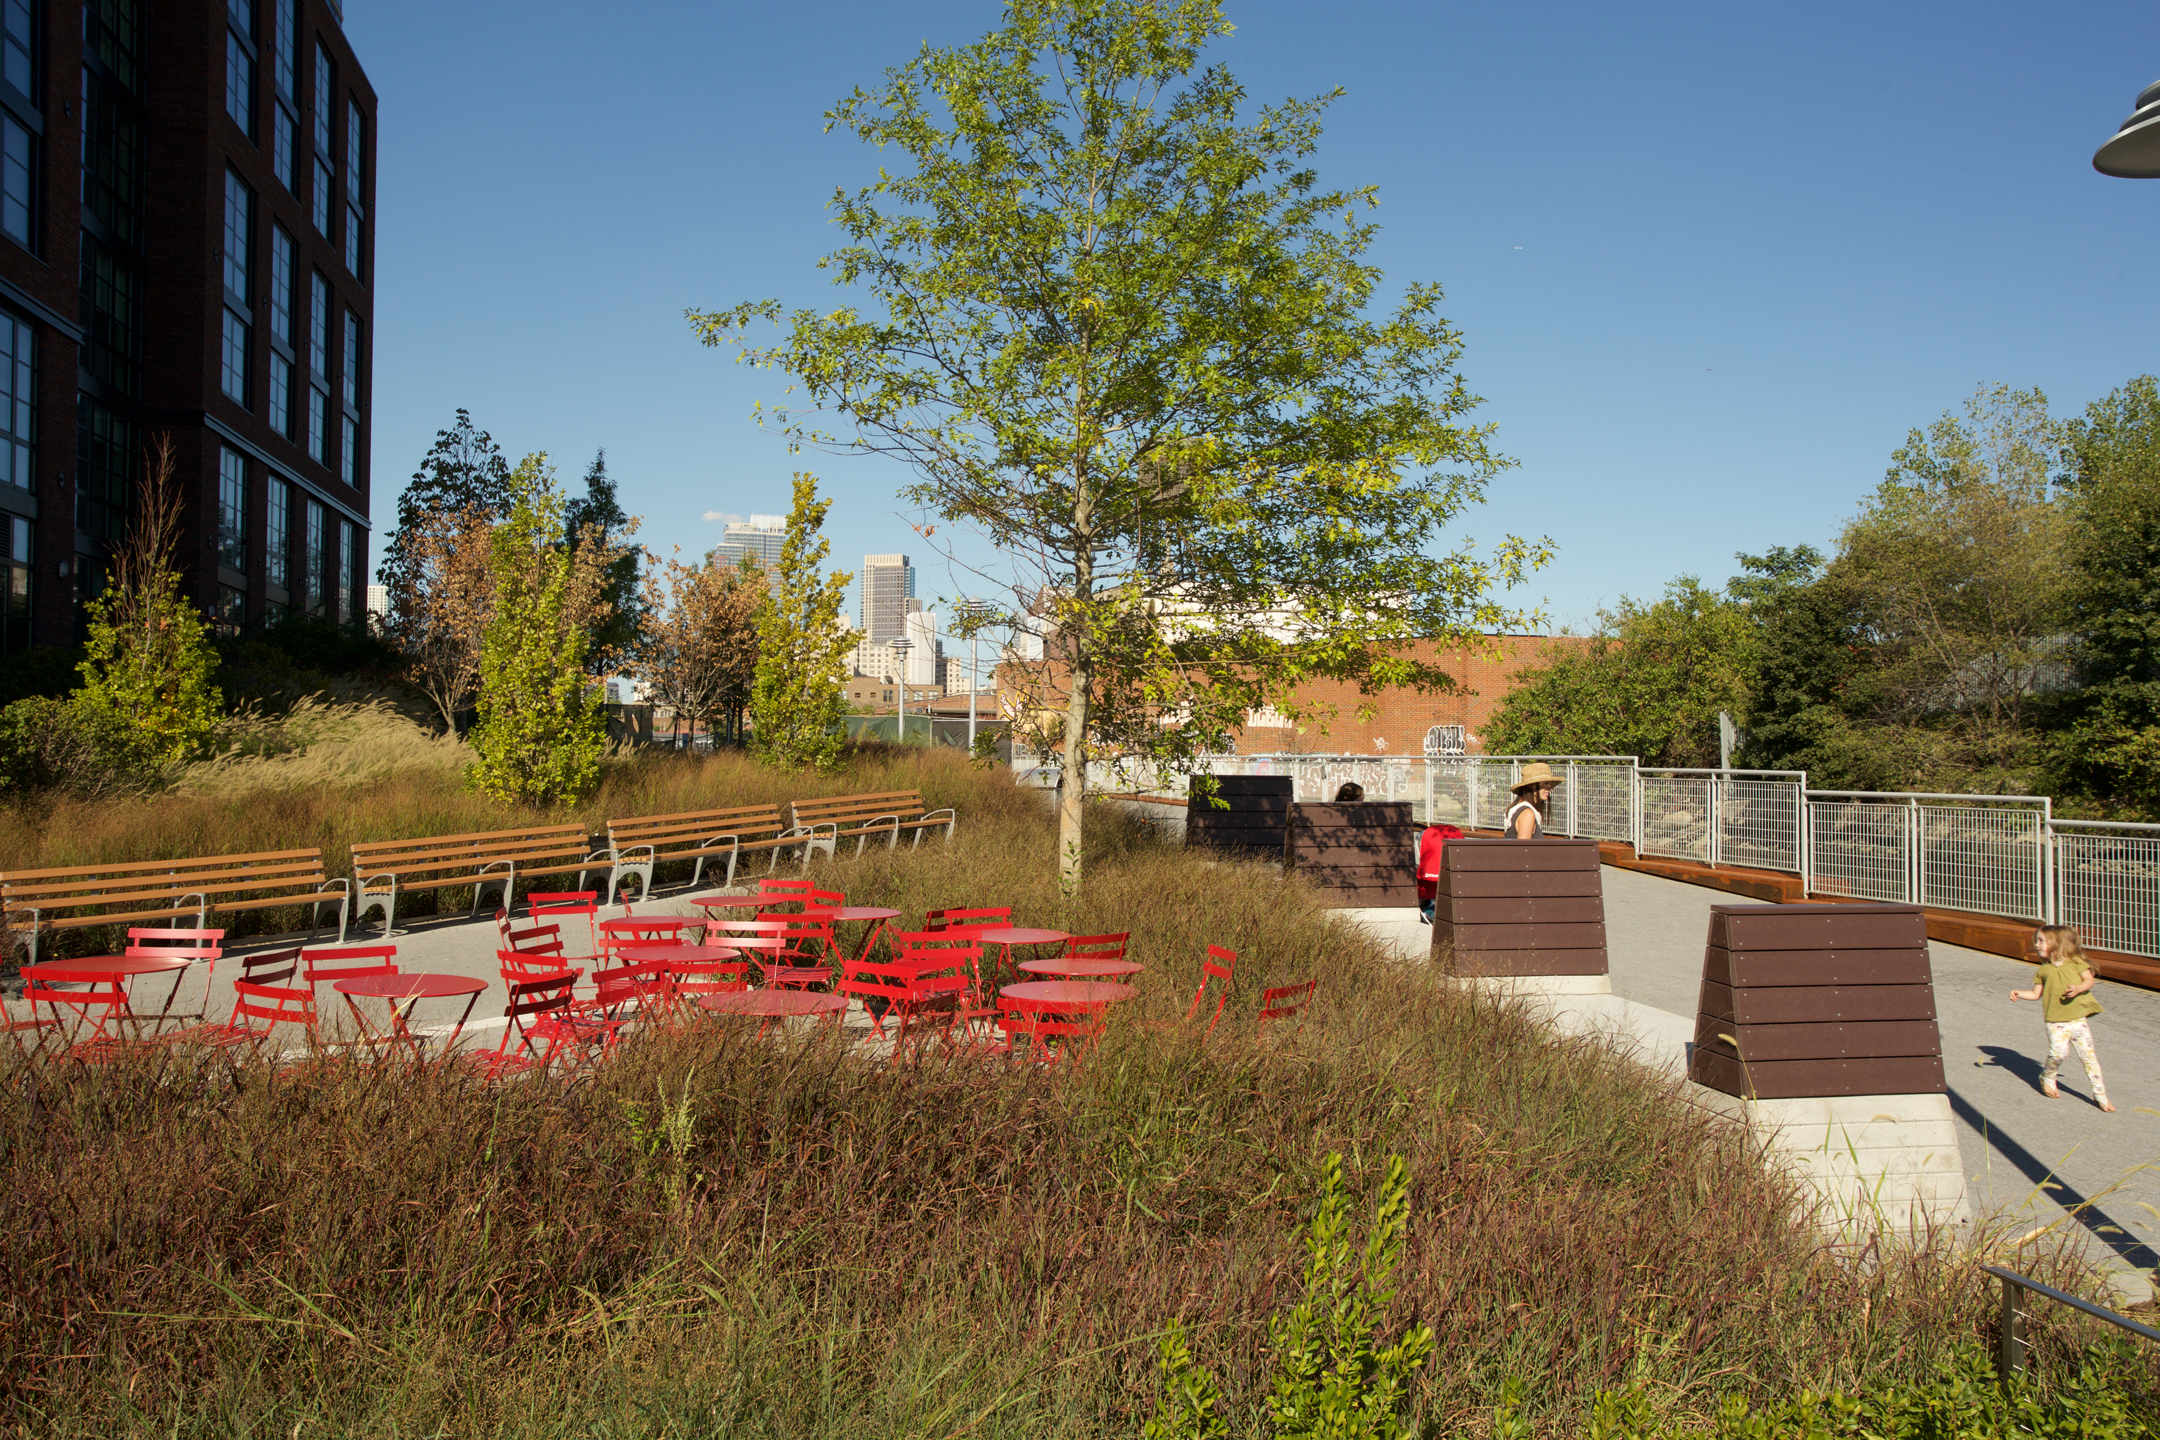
x,y
186,237
887,584
760,538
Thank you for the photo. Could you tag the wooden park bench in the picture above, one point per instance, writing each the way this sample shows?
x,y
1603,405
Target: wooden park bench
x,y
70,897
825,823
382,869
698,835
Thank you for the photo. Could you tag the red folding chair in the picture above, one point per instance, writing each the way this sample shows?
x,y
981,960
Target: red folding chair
x,y
195,946
781,892
564,906
1074,1024
1097,947
633,931
518,965
689,979
968,920
774,943
540,1028
626,992
268,968
947,970
538,941
271,1005
99,999
1286,1002
811,958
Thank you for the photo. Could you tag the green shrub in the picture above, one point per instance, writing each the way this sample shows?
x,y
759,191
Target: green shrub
x,y
49,745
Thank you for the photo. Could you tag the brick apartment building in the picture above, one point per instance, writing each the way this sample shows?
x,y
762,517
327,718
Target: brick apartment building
x,y
1401,718
186,248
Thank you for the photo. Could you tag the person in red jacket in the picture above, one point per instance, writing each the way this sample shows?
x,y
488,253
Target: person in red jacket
x,y
1429,846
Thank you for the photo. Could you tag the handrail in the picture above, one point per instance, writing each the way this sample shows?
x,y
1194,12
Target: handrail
x,y
2043,801
2058,823
2010,1339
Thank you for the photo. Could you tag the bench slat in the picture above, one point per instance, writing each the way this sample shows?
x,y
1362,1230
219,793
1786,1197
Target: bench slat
x,y
160,867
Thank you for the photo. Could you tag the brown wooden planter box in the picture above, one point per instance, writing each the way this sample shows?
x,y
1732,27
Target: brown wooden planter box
x,y
1360,855
1817,1000
1520,907
1257,824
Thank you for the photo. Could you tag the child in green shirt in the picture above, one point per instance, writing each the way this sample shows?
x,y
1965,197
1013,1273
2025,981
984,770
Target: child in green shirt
x,y
2063,986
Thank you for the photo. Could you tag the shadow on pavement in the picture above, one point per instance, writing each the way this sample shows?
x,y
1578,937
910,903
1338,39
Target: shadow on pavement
x,y
2102,1226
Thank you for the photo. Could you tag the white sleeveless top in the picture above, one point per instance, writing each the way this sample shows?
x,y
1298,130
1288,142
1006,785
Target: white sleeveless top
x,y
1537,822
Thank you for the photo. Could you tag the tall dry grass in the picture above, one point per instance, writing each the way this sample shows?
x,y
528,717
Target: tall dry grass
x,y
722,1235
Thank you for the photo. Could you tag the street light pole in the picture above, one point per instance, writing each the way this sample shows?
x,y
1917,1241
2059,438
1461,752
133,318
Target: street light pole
x,y
902,646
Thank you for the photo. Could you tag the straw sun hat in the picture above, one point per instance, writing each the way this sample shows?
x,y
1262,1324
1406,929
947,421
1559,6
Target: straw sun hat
x,y
1537,772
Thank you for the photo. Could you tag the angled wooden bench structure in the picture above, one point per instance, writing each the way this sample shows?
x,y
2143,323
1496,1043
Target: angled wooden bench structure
x,y
383,869
824,823
72,896
638,844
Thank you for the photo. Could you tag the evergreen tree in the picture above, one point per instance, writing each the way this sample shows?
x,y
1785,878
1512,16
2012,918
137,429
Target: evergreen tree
x,y
599,509
797,698
463,472
540,734
147,658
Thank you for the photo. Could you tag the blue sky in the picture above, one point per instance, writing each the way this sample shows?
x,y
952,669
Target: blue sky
x,y
1711,262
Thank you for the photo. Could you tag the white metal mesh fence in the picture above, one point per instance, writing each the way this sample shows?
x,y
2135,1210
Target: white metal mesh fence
x,y
1604,800
1860,851
1676,817
2107,884
1986,859
1758,824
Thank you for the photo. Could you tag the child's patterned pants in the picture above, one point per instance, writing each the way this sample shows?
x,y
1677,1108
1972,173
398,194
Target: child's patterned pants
x,y
2060,1038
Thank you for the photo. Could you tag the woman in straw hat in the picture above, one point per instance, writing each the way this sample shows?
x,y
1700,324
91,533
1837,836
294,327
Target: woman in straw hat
x,y
1533,797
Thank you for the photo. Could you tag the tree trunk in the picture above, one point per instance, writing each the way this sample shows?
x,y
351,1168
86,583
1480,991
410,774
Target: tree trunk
x,y
1073,790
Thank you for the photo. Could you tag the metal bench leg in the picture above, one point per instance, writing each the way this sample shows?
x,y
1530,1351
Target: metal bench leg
x,y
507,880
343,903
366,900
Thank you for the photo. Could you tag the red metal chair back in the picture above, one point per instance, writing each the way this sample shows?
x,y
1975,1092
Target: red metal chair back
x,y
535,940
1218,966
691,978
175,944
98,997
1097,947
521,965
825,900
346,962
811,955
273,1005
1284,1002
563,906
616,990
770,888
967,920
270,967
895,986
1075,1024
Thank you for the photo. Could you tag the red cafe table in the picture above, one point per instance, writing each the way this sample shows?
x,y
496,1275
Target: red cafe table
x,y
684,962
411,989
771,1005
1082,969
128,967
1075,992
648,929
1012,935
712,904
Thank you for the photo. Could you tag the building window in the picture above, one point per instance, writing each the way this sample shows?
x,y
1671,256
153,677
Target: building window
x,y
112,311
349,455
231,617
112,35
104,470
18,48
286,64
18,401
240,83
312,540
283,126
348,553
19,560
281,381
233,359
18,186
355,155
320,436
277,533
112,159
325,156
281,331
232,509
239,239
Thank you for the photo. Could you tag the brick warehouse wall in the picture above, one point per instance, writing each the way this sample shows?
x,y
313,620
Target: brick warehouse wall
x,y
1484,675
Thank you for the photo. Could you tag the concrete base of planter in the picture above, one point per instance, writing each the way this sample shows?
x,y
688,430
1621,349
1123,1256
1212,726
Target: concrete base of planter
x,y
1884,1163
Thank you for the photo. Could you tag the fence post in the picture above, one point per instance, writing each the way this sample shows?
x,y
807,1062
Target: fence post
x,y
2010,1342
1915,851
2045,860
1712,794
1635,805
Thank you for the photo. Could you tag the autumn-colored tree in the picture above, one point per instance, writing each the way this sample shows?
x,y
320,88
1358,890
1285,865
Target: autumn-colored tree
x,y
147,658
440,603
540,734
701,645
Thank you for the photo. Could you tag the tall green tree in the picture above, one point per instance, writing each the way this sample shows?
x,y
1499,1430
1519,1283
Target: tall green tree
x,y
797,697
2109,753
1650,682
540,733
147,657
1117,326
599,512
463,472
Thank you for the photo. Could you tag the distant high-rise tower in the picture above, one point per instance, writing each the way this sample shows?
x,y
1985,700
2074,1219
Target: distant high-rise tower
x,y
760,539
888,583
